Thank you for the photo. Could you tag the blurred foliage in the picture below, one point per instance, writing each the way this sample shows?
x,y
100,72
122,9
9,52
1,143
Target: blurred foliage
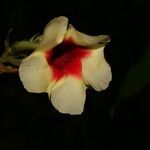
x,y
13,54
26,45
137,77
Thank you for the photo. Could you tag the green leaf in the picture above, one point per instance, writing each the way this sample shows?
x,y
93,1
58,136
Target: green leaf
x,y
137,77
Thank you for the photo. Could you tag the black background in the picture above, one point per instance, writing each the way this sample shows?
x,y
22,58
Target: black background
x,y
29,120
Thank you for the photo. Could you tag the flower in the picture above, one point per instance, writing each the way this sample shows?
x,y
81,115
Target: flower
x,y
65,64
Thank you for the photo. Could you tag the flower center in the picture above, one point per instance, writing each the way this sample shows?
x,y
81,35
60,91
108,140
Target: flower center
x,y
65,59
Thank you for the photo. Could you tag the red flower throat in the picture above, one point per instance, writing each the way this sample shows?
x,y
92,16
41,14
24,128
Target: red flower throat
x,y
65,59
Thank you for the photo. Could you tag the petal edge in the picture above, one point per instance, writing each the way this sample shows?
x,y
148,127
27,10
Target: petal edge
x,y
96,71
54,32
69,97
35,73
84,39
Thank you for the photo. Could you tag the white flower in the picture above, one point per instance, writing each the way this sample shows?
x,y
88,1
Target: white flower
x,y
65,64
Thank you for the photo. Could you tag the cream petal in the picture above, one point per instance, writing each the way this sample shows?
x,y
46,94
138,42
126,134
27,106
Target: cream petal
x,y
69,96
96,71
35,73
54,85
84,39
54,32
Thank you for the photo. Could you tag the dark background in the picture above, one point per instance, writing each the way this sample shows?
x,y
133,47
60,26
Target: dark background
x,y
116,118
